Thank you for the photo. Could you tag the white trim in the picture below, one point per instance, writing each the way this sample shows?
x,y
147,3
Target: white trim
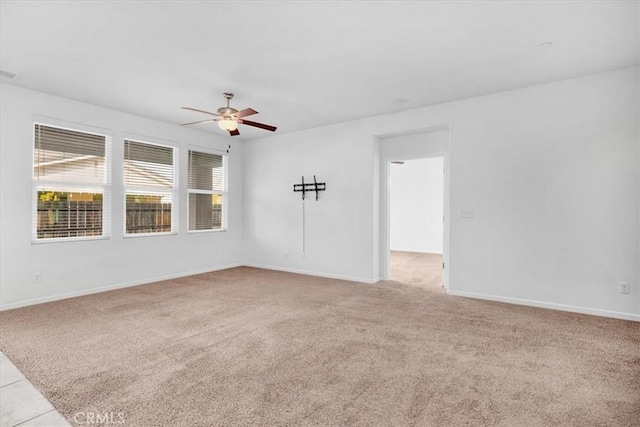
x,y
384,223
106,213
430,155
208,230
172,191
73,186
549,305
112,287
73,126
224,192
208,150
315,273
138,235
47,240
144,139
508,300
211,192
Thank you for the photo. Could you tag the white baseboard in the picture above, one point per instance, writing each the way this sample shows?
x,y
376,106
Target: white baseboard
x,y
314,273
83,292
550,305
510,300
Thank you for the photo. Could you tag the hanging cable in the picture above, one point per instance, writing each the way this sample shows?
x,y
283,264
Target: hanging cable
x,y
303,229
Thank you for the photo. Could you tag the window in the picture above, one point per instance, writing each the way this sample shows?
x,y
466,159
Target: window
x,y
207,191
70,184
149,188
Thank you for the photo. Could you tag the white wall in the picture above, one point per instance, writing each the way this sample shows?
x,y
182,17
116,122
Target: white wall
x,y
335,224
550,171
417,205
72,268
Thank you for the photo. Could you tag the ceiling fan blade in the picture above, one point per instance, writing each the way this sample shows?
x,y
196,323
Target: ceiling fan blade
x,y
199,121
246,112
234,132
258,125
200,111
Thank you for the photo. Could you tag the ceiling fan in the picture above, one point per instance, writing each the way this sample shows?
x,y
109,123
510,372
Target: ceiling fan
x,y
228,118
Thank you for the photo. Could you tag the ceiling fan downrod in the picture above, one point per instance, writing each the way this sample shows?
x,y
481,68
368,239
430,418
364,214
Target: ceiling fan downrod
x,y
227,111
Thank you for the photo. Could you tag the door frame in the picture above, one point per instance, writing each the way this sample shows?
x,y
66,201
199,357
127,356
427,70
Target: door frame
x,y
385,210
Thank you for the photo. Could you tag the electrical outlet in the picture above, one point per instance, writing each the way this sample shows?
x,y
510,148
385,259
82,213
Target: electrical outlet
x,y
286,254
465,213
624,287
37,278
302,255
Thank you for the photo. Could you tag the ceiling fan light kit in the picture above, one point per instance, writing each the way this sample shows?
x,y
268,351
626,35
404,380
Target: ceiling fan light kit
x,y
228,123
228,118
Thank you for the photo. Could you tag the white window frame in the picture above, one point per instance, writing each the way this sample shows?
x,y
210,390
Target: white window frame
x,y
63,186
224,193
152,191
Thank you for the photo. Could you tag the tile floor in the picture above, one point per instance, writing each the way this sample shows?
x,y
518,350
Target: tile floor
x,y
21,404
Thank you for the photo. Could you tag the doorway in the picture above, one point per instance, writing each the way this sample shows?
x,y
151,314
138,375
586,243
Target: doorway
x,y
416,227
406,146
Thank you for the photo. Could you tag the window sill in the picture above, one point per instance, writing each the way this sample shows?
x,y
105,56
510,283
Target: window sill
x,y
220,230
67,240
136,235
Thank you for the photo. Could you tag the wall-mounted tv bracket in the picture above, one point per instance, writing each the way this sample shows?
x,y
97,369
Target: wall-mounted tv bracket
x,y
316,186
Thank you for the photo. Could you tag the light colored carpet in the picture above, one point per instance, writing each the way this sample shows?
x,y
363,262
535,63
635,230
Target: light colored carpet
x,y
417,269
254,347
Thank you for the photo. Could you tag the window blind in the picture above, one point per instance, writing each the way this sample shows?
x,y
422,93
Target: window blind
x,y
69,156
206,171
149,182
70,184
207,193
148,165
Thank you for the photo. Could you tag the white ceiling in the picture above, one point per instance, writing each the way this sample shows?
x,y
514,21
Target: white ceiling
x,y
305,64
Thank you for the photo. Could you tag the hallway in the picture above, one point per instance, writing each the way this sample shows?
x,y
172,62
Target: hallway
x,y
417,269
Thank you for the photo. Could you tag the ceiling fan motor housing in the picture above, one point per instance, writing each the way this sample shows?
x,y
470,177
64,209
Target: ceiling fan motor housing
x,y
227,111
